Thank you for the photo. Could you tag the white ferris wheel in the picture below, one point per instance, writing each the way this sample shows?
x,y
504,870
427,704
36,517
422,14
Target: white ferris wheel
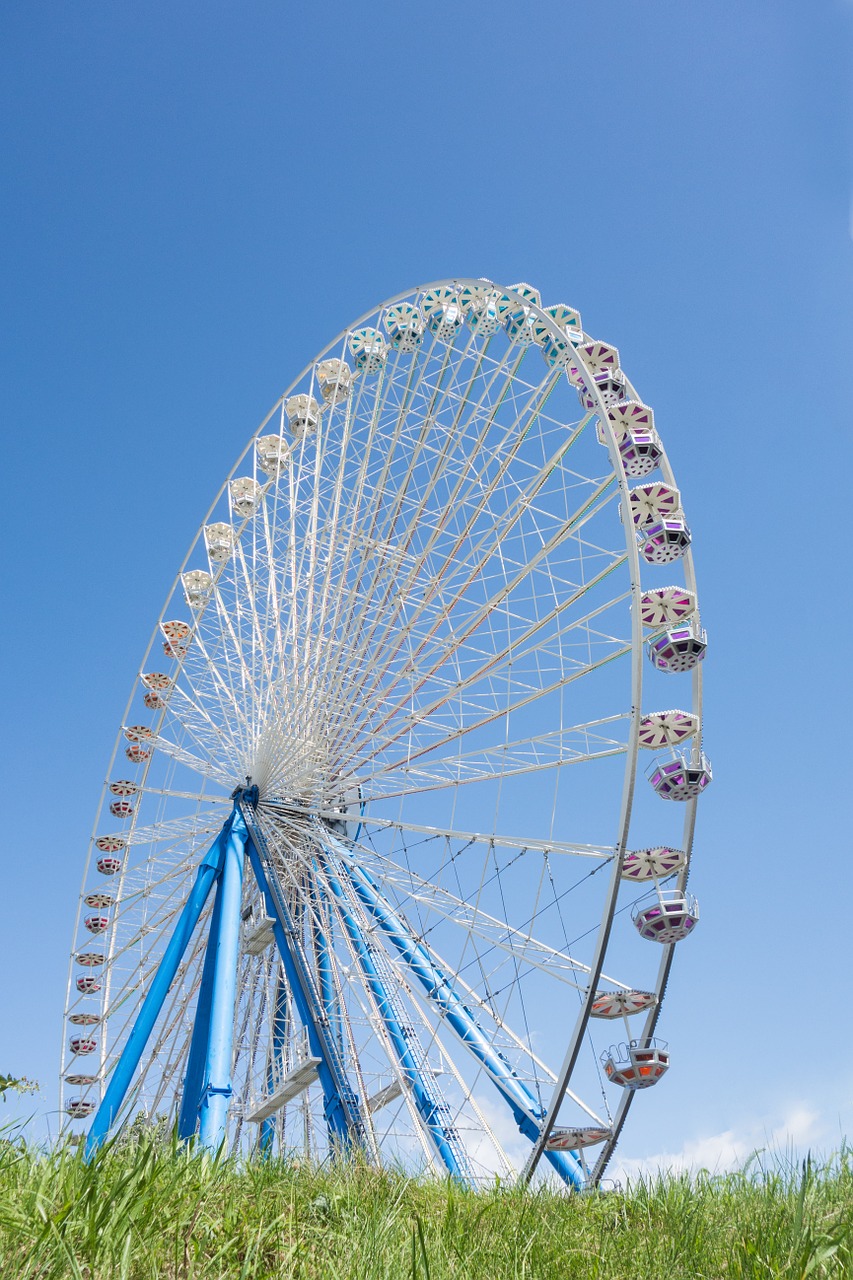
x,y
391,858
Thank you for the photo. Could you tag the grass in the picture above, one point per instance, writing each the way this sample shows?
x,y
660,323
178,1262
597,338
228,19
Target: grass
x,y
148,1210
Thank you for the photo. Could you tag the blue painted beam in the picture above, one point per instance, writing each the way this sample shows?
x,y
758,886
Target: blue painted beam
x,y
321,929
438,986
340,1102
425,1103
146,1018
217,1088
279,1032
194,1078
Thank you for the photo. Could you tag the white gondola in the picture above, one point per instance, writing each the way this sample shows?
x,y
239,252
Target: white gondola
x,y
667,728
108,866
303,415
521,321
369,349
219,541
245,496
138,733
636,1065
633,425
652,502
173,649
652,864
197,585
80,1108
680,779
157,680
483,307
622,1004
99,900
273,455
559,350
670,918
335,380
122,787
666,541
577,1139
110,844
678,649
443,312
666,606
405,326
82,1044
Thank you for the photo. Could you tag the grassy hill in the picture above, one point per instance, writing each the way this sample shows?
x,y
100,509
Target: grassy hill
x,y
147,1210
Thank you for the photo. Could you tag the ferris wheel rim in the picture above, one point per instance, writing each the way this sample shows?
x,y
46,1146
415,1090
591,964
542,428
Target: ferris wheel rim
x,y
632,751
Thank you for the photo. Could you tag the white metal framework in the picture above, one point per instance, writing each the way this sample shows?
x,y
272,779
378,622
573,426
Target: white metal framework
x,y
415,627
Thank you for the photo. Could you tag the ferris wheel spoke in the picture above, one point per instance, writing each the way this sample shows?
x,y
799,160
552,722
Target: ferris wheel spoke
x,y
345,602
483,612
356,625
207,669
501,1027
431,897
540,756
419,1077
509,659
413,1067
497,660
213,767
372,1004
203,726
503,713
515,432
398,498
365,819
438,988
196,824
493,539
171,793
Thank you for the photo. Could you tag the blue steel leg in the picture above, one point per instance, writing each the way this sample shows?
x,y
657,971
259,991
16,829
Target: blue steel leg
x,y
279,1030
320,933
439,988
194,1078
157,992
341,1103
217,1090
426,1105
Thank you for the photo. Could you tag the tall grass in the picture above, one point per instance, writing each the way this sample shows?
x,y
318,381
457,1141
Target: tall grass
x,y
146,1210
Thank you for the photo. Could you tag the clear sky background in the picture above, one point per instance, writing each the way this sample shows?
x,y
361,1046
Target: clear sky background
x,y
197,197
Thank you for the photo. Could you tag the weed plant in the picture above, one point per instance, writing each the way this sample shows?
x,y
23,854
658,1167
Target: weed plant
x,y
147,1209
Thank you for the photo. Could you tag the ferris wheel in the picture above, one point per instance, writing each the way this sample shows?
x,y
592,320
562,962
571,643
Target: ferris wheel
x,y
384,851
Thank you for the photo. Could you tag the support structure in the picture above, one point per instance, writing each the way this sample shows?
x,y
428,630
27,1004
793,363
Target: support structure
x,y
438,988
343,1115
222,863
217,1089
444,1139
279,1031
194,1078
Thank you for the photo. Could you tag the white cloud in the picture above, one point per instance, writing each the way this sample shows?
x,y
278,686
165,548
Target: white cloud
x,y
800,1129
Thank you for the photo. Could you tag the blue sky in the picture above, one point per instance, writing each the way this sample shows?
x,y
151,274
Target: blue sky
x,y
198,197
